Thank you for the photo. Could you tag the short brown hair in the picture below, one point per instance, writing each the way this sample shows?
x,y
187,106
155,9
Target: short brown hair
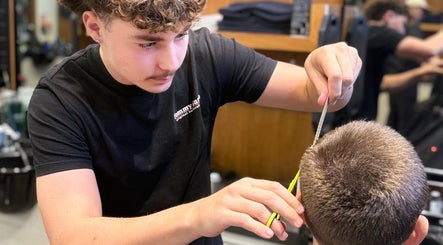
x,y
155,15
362,183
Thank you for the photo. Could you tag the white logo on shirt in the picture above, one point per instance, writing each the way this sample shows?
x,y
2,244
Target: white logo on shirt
x,y
187,109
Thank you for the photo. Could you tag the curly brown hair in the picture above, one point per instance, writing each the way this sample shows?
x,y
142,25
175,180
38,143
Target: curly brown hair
x,y
155,15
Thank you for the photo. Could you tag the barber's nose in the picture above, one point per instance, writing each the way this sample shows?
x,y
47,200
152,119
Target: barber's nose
x,y
168,59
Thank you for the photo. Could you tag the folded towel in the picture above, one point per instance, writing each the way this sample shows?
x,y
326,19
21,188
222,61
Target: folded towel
x,y
264,16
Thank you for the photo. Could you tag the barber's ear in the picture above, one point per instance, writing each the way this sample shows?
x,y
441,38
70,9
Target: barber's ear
x,y
93,25
419,233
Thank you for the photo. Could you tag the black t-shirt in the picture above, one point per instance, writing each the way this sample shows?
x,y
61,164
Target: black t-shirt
x,y
395,64
148,151
382,41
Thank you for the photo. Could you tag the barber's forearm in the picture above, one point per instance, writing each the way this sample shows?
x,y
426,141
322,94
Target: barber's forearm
x,y
436,41
290,88
172,226
397,81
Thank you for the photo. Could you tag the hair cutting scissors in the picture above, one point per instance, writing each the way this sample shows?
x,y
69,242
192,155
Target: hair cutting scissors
x,y
291,186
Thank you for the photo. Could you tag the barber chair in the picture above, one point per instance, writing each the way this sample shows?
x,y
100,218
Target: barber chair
x,y
435,217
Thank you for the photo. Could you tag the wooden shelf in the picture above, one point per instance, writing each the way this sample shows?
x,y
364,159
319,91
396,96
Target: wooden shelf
x,y
431,27
213,6
284,42
272,42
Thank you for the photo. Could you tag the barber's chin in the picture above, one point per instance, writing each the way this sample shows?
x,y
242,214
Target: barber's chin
x,y
157,89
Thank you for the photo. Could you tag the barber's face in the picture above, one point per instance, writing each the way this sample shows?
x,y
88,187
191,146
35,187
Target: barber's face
x,y
398,23
141,58
416,13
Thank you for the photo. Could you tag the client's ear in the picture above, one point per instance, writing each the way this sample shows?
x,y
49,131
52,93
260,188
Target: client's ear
x,y
420,231
298,196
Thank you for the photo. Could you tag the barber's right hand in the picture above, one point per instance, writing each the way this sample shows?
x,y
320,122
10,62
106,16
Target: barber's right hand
x,y
248,203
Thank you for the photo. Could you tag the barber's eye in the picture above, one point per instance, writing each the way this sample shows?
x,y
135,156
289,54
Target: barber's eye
x,y
182,35
147,45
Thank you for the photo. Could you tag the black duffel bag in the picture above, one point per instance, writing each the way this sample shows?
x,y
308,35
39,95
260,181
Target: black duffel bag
x,y
17,177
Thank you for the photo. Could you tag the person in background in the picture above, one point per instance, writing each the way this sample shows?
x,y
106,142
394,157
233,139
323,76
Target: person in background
x,y
363,183
387,21
121,130
402,75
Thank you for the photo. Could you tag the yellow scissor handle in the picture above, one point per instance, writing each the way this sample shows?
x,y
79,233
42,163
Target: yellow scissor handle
x,y
291,187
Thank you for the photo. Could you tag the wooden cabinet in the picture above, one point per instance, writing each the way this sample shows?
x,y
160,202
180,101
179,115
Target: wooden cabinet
x,y
260,142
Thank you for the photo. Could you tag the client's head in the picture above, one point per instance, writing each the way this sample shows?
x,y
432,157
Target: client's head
x,y
363,183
